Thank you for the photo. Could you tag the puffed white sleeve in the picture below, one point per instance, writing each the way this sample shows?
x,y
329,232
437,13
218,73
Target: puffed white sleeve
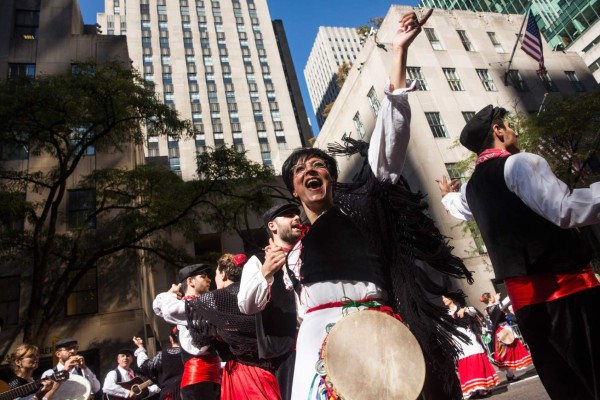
x,y
389,141
529,177
456,204
170,308
254,291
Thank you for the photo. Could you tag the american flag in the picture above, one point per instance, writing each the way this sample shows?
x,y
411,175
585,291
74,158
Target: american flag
x,y
532,42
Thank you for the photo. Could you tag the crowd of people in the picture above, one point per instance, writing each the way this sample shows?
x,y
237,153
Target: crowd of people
x,y
367,246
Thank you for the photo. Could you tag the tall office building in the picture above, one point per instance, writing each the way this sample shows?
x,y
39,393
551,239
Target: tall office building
x,y
560,22
216,62
332,47
111,302
460,64
566,25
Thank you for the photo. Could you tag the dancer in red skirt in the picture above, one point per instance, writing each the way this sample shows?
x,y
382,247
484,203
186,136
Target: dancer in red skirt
x,y
509,352
477,376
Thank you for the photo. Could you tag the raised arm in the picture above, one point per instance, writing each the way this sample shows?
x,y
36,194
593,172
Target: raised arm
x,y
390,137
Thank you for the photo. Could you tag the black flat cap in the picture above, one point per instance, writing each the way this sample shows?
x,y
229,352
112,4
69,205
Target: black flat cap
x,y
125,351
476,130
192,270
278,210
64,343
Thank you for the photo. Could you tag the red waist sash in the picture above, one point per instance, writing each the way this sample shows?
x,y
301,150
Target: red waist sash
x,y
206,368
535,289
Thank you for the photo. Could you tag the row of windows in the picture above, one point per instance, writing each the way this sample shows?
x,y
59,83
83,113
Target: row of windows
x,y
514,77
436,44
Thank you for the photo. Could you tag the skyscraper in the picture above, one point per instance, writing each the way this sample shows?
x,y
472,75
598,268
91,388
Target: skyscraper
x,y
218,64
560,22
332,48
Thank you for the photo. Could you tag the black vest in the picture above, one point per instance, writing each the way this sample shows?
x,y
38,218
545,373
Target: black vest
x,y
519,241
335,249
276,324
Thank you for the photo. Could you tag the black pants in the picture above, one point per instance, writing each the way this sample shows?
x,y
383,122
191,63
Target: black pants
x,y
564,338
285,374
201,391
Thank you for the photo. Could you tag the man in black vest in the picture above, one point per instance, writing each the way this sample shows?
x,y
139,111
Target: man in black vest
x,y
263,292
123,374
528,220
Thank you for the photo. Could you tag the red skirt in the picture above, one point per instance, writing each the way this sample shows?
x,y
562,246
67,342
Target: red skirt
x,y
511,356
476,373
245,382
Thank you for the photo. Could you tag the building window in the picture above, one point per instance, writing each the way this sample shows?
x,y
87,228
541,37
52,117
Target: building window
x,y
495,42
577,84
10,293
454,172
453,79
517,80
486,80
415,74
84,298
436,124
467,115
21,70
433,39
81,205
26,24
373,100
548,82
360,128
465,40
80,135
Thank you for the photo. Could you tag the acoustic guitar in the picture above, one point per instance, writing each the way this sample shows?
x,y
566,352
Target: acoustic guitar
x,y
34,386
136,385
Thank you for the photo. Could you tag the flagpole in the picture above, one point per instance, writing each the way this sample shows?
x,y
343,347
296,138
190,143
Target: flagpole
x,y
515,47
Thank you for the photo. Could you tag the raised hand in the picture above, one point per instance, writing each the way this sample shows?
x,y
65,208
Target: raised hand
x,y
274,259
138,341
410,27
447,187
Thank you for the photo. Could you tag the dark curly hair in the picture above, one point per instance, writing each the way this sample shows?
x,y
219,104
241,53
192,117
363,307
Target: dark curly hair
x,y
304,154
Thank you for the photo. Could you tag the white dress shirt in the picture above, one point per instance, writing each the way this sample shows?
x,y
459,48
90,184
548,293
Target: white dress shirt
x,y
111,387
529,177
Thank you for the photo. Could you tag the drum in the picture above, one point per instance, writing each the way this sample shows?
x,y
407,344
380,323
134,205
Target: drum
x,y
506,335
74,388
371,355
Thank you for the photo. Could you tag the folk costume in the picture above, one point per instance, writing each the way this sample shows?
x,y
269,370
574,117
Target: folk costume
x,y
120,375
201,377
215,316
374,246
507,356
274,309
528,220
474,369
166,366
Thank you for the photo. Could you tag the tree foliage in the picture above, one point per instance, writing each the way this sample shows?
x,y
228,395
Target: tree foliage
x,y
342,74
51,123
567,134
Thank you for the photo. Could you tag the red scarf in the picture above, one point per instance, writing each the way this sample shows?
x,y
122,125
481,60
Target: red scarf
x,y
490,154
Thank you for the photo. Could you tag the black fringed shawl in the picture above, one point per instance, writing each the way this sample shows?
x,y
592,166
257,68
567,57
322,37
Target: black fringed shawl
x,y
392,219
215,317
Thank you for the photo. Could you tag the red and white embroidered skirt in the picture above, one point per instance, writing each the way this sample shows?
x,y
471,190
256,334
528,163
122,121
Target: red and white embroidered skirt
x,y
245,382
476,373
512,356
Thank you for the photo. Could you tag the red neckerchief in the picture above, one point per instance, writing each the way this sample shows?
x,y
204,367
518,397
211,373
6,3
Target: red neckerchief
x,y
190,297
490,154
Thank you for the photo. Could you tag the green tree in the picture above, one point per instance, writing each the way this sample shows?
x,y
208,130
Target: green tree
x,y
566,132
342,74
48,126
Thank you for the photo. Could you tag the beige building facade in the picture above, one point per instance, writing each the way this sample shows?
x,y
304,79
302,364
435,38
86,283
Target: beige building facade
x,y
460,62
218,64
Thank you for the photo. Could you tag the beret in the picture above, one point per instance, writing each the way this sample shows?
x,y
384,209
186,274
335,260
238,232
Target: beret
x,y
278,210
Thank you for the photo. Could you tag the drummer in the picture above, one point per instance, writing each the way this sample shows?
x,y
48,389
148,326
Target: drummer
x,y
68,359
334,261
508,356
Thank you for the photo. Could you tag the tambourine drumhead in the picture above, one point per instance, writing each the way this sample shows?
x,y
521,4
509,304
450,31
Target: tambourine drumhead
x,y
506,335
74,388
371,355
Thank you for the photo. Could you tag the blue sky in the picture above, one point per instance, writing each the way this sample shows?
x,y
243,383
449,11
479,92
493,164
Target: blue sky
x,y
301,20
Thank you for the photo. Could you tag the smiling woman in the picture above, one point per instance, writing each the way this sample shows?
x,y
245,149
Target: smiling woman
x,y
362,245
